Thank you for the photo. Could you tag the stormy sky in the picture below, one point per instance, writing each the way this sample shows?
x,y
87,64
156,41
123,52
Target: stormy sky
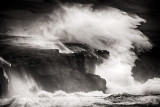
x,y
12,12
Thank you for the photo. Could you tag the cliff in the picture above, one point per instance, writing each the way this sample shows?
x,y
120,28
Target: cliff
x,y
53,71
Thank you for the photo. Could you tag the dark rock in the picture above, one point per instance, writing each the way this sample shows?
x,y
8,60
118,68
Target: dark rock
x,y
93,56
2,83
118,98
3,78
53,70
102,53
128,100
6,102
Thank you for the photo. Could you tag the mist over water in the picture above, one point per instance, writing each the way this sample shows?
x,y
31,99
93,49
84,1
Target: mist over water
x,y
22,85
105,29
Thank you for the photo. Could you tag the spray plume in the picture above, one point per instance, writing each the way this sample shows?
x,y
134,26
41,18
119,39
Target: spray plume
x,y
105,29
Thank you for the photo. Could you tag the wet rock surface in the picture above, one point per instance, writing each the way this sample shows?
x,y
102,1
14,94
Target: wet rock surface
x,y
128,100
70,72
3,77
6,102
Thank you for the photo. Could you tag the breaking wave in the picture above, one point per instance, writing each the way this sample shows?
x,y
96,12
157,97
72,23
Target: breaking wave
x,y
105,29
79,99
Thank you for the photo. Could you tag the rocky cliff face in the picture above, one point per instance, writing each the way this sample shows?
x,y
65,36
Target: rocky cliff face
x,y
4,65
56,71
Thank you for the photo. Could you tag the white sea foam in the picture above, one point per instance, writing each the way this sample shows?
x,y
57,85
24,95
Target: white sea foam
x,y
79,99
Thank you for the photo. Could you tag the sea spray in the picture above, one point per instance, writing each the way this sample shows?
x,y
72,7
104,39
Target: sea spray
x,y
22,85
105,29
81,99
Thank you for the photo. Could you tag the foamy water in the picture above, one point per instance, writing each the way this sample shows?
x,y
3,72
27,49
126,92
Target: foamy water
x,y
105,29
79,99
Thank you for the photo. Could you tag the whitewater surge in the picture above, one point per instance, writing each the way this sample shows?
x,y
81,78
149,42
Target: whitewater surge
x,y
22,85
26,93
79,99
104,29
